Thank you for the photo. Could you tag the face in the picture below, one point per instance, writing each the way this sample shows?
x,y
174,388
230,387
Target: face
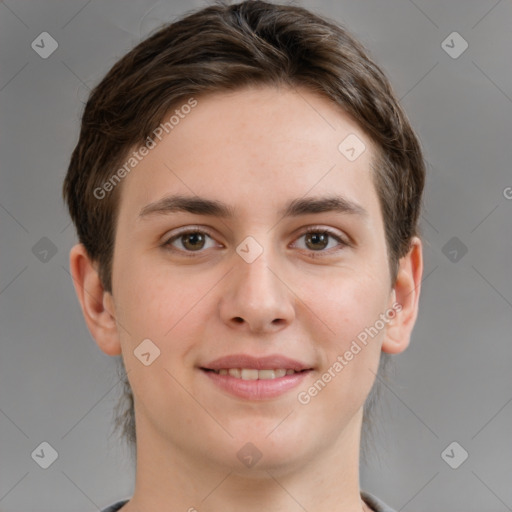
x,y
255,290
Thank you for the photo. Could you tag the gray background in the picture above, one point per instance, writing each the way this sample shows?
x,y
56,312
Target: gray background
x,y
453,383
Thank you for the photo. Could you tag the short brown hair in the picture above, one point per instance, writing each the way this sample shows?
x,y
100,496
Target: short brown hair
x,y
223,48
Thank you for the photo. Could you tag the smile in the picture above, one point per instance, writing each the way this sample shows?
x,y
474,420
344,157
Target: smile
x,y
254,374
255,378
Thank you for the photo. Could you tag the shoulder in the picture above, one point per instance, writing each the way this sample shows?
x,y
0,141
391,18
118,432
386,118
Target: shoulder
x,y
375,503
115,506
372,501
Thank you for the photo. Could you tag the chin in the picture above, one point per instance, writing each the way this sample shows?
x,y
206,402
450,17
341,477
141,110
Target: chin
x,y
260,450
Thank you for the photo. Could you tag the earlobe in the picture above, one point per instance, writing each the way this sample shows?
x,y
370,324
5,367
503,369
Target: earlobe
x,y
406,300
96,303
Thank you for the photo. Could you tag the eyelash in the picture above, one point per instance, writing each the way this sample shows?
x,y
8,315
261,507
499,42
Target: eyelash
x,y
313,229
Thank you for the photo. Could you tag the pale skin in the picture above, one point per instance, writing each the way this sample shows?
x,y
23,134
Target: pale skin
x,y
254,150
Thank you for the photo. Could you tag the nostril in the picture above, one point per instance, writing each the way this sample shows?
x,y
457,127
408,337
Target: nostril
x,y
238,319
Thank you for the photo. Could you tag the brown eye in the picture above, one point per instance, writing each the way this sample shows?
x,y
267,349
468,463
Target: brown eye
x,y
193,241
188,241
317,241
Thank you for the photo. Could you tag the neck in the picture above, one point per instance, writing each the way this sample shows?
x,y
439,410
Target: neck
x,y
167,479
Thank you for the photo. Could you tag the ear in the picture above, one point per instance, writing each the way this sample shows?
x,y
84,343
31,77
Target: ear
x,y
405,297
97,304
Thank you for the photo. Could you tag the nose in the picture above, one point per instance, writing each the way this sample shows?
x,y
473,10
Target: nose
x,y
256,297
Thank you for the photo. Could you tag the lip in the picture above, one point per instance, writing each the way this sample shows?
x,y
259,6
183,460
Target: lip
x,y
263,389
256,363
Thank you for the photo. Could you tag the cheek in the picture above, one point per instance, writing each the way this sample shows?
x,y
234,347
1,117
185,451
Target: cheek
x,y
348,305
171,310
349,352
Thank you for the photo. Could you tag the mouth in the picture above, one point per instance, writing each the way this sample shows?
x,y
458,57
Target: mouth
x,y
253,378
254,374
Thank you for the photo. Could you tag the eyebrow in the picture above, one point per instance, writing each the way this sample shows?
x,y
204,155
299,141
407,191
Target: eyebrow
x,y
295,208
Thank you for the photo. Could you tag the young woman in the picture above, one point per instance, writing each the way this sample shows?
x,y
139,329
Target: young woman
x,y
246,191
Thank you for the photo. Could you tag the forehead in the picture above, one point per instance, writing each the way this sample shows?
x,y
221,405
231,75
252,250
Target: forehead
x,y
255,147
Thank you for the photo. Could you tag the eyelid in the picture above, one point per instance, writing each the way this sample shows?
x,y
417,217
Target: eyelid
x,y
191,228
